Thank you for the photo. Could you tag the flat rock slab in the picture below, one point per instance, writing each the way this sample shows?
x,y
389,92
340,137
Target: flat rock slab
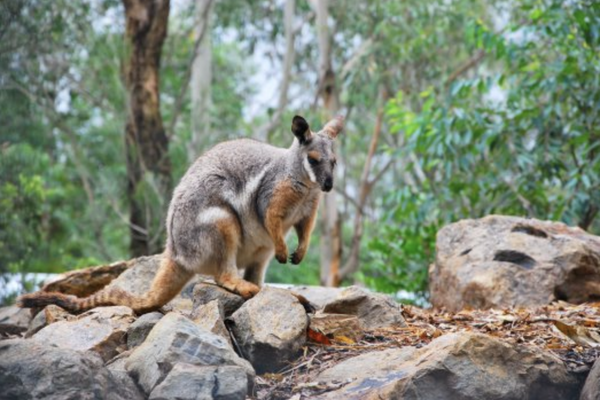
x,y
465,366
501,261
270,329
374,310
176,339
193,382
102,330
34,370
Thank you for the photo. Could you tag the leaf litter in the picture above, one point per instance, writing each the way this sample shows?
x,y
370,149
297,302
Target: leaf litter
x,y
571,332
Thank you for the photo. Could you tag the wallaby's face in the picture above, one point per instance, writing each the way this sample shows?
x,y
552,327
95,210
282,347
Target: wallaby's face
x,y
316,150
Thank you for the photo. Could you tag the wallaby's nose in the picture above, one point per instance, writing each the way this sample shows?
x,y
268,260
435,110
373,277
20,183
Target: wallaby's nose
x,y
328,184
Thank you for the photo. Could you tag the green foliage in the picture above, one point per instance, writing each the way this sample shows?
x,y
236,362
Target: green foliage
x,y
519,137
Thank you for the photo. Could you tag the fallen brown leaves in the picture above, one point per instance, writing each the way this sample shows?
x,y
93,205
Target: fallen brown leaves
x,y
569,331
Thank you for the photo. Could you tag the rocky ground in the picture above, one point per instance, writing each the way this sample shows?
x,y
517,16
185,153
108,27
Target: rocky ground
x,y
210,344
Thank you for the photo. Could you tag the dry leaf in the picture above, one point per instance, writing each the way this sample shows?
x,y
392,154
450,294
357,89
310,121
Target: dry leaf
x,y
579,334
344,340
317,337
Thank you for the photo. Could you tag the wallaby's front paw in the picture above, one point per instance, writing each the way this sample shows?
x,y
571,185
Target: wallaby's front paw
x,y
282,256
296,257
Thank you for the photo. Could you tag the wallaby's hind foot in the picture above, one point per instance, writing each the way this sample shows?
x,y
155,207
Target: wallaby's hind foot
x,y
237,285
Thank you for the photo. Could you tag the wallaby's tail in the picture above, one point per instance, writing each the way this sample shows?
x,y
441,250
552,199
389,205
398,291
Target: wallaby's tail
x,y
168,282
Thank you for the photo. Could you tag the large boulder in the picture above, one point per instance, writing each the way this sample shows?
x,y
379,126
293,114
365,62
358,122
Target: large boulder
x,y
501,261
102,330
270,329
175,339
465,366
33,370
374,310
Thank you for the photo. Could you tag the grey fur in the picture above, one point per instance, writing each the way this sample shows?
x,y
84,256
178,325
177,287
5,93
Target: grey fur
x,y
234,181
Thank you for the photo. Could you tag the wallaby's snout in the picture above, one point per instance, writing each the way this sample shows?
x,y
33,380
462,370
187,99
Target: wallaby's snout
x,y
328,184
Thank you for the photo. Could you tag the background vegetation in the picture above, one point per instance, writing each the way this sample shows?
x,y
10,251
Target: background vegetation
x,y
455,109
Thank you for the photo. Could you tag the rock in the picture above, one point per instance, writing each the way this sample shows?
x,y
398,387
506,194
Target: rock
x,y
210,317
33,370
175,339
138,278
270,329
85,282
591,389
139,330
318,295
500,261
13,315
373,309
204,293
49,315
455,366
101,330
193,382
116,366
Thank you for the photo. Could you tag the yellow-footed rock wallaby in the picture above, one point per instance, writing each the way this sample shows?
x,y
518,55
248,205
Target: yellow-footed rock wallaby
x,y
231,212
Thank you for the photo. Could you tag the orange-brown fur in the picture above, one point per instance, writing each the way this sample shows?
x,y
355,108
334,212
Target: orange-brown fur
x,y
169,280
285,197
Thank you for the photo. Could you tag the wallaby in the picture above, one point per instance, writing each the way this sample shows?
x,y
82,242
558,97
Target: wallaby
x,y
230,212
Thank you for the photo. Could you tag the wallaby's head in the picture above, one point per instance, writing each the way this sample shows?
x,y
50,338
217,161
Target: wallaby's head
x,y
316,150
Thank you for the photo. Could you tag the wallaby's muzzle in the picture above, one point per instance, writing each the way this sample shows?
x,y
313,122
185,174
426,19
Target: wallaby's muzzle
x,y
327,185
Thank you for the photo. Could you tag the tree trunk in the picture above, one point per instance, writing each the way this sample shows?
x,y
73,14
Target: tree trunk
x,y
148,163
201,80
331,241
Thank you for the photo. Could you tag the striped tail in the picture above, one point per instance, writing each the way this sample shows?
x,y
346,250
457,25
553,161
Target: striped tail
x,y
168,282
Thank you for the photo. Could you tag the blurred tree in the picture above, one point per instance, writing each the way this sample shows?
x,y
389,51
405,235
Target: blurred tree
x,y
147,145
512,131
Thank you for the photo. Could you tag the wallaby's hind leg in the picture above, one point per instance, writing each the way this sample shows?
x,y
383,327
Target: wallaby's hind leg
x,y
227,272
168,282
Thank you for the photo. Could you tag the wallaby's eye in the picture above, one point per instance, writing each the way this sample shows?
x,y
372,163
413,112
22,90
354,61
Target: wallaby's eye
x,y
333,163
313,161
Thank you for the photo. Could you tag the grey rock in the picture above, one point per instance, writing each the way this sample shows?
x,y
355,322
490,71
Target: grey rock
x,y
34,370
318,295
204,293
13,315
374,310
501,261
138,277
193,382
49,315
270,328
465,366
176,339
139,330
210,318
102,330
591,389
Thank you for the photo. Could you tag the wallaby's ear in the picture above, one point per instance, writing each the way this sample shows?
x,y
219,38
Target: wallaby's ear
x,y
334,127
301,129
